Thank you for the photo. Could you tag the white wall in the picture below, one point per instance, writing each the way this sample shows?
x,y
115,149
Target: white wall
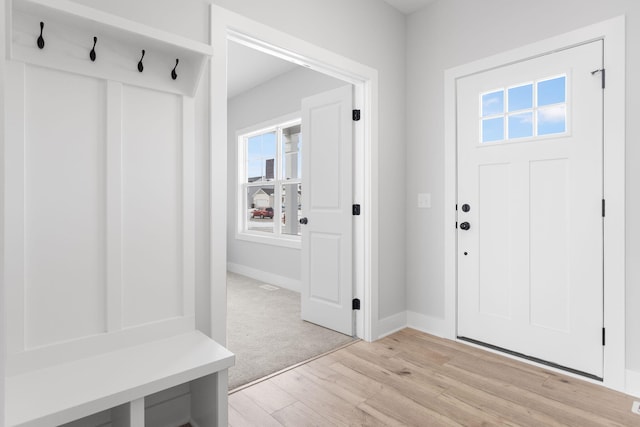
x,y
187,18
449,33
275,98
3,320
371,33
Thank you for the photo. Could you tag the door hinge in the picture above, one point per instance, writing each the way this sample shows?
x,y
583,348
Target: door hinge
x,y
603,340
603,74
356,115
355,304
355,209
603,208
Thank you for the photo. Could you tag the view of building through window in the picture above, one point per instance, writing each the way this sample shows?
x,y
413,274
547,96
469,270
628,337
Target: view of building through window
x,y
271,181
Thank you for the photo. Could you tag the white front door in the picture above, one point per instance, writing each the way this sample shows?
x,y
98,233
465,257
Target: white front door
x,y
327,288
530,226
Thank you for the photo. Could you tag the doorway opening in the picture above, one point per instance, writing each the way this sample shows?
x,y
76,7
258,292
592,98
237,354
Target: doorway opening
x,y
268,185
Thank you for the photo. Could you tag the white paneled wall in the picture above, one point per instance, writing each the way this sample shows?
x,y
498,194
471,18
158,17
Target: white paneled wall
x,y
64,206
151,211
103,215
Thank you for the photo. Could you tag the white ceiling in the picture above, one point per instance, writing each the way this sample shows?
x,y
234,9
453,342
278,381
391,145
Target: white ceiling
x,y
409,6
248,68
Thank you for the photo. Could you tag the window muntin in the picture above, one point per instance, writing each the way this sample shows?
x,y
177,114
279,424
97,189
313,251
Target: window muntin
x,y
269,169
524,111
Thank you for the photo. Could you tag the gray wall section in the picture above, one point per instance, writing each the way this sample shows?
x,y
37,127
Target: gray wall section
x,y
271,100
454,32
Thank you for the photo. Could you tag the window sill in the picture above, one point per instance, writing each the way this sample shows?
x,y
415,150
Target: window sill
x,y
293,242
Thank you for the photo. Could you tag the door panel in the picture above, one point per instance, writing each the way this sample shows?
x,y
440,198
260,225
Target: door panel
x,y
549,272
326,203
530,168
494,271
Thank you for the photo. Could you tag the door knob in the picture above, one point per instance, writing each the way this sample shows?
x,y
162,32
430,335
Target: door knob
x,y
465,226
304,221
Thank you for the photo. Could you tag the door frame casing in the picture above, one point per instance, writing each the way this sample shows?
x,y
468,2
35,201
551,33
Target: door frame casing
x,y
227,25
612,32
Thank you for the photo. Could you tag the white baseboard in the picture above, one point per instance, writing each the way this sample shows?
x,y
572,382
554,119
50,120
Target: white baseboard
x,y
263,276
633,383
428,324
392,324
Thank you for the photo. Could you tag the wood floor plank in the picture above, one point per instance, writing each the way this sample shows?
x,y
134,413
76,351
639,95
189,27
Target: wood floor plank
x,y
407,410
612,405
319,399
477,397
418,385
393,376
331,383
300,415
269,396
523,395
379,418
411,378
248,413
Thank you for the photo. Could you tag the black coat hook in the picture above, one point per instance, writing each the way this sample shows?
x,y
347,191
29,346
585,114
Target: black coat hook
x,y
140,66
92,54
41,39
173,72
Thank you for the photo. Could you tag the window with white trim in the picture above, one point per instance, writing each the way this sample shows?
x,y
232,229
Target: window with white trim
x,y
270,182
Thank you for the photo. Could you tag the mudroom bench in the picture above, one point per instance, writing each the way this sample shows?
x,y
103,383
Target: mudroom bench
x,y
120,380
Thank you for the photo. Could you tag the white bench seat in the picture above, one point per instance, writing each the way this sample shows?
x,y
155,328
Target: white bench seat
x,y
70,391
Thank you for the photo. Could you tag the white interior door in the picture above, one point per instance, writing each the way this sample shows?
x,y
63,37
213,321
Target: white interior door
x,y
327,143
530,186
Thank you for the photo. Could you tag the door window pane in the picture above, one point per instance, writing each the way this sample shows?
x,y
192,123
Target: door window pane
x,y
260,212
493,103
520,97
552,120
291,196
521,125
493,129
552,91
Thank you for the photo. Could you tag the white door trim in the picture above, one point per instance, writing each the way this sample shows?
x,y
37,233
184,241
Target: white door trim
x,y
226,25
613,33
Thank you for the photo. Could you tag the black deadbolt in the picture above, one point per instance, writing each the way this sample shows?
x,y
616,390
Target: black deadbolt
x,y
466,208
465,226
303,221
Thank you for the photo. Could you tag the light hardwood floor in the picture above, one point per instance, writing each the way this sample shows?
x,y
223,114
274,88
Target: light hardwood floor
x,y
411,378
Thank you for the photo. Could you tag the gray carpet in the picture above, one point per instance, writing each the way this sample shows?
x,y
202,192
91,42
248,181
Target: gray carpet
x,y
265,331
